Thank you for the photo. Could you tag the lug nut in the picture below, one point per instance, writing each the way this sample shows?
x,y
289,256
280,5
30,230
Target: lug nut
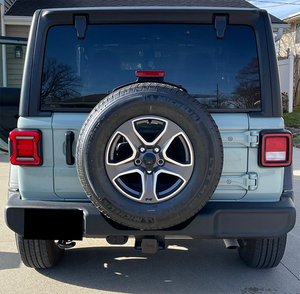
x,y
156,149
160,162
142,149
138,161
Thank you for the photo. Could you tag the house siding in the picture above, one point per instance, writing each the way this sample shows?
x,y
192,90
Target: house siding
x,y
15,65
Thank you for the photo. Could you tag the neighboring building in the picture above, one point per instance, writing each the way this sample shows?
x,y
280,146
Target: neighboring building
x,y
290,42
18,15
12,60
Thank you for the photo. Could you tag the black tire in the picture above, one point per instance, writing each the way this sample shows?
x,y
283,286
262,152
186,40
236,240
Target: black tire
x,y
262,253
38,253
178,108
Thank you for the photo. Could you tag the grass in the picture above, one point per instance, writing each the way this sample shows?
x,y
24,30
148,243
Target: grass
x,y
293,120
296,141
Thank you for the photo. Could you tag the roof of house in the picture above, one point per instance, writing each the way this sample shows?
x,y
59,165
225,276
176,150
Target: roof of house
x,y
27,7
8,4
292,17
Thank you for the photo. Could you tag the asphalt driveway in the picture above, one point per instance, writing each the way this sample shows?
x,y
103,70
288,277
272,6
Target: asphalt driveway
x,y
199,266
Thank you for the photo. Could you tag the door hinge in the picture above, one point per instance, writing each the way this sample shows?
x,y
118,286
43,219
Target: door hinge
x,y
248,138
247,181
80,26
254,135
220,25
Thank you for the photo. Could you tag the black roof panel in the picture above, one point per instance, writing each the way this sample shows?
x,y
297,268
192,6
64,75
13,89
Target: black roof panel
x,y
28,7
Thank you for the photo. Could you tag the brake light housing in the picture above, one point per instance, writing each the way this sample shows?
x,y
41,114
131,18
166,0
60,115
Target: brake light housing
x,y
276,148
25,147
150,76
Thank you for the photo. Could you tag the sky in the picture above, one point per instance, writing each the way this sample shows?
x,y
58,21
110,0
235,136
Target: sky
x,y
279,8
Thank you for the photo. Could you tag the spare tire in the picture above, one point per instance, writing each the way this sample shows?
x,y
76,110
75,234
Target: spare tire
x,y
149,156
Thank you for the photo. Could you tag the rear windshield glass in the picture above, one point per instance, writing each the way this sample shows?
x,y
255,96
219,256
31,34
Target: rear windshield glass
x,y
219,73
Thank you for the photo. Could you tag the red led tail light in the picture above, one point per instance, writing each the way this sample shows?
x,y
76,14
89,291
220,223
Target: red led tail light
x,y
276,149
25,147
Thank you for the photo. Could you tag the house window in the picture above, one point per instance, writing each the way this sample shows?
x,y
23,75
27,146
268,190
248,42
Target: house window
x,y
297,36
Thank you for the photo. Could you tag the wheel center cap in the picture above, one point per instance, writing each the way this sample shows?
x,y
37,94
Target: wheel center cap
x,y
149,160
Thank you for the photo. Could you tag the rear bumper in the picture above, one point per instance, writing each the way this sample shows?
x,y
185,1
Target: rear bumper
x,y
215,220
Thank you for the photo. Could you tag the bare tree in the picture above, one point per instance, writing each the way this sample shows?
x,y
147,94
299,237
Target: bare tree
x,y
247,91
59,82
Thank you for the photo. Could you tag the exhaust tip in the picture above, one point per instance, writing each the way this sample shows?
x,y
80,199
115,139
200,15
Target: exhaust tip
x,y
231,243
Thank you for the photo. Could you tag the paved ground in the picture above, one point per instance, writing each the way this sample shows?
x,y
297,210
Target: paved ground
x,y
201,266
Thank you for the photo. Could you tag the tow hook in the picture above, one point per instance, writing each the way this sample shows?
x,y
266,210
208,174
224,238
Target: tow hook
x,y
65,244
150,244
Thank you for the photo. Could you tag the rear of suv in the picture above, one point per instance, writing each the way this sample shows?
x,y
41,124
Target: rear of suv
x,y
150,122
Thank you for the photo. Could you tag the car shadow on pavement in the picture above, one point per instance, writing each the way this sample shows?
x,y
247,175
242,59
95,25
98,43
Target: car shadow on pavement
x,y
9,260
184,268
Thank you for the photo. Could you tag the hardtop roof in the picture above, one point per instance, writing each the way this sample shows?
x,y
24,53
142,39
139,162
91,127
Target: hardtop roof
x,y
28,7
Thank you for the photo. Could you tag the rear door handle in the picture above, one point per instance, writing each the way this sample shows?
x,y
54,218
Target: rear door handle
x,y
69,139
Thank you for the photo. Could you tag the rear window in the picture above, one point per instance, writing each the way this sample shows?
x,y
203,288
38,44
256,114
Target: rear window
x,y
219,73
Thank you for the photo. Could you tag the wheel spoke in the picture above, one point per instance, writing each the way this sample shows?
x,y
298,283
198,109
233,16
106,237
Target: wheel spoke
x,y
170,132
149,183
116,170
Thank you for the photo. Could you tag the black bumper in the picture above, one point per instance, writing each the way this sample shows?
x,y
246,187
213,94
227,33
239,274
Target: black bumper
x,y
215,220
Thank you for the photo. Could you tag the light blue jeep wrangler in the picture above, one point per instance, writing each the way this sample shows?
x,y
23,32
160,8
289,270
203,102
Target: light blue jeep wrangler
x,y
150,122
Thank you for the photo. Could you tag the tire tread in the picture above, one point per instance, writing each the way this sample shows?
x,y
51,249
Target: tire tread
x,y
262,253
38,253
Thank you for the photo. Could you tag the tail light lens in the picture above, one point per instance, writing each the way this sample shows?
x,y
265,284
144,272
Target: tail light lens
x,y
25,147
276,149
